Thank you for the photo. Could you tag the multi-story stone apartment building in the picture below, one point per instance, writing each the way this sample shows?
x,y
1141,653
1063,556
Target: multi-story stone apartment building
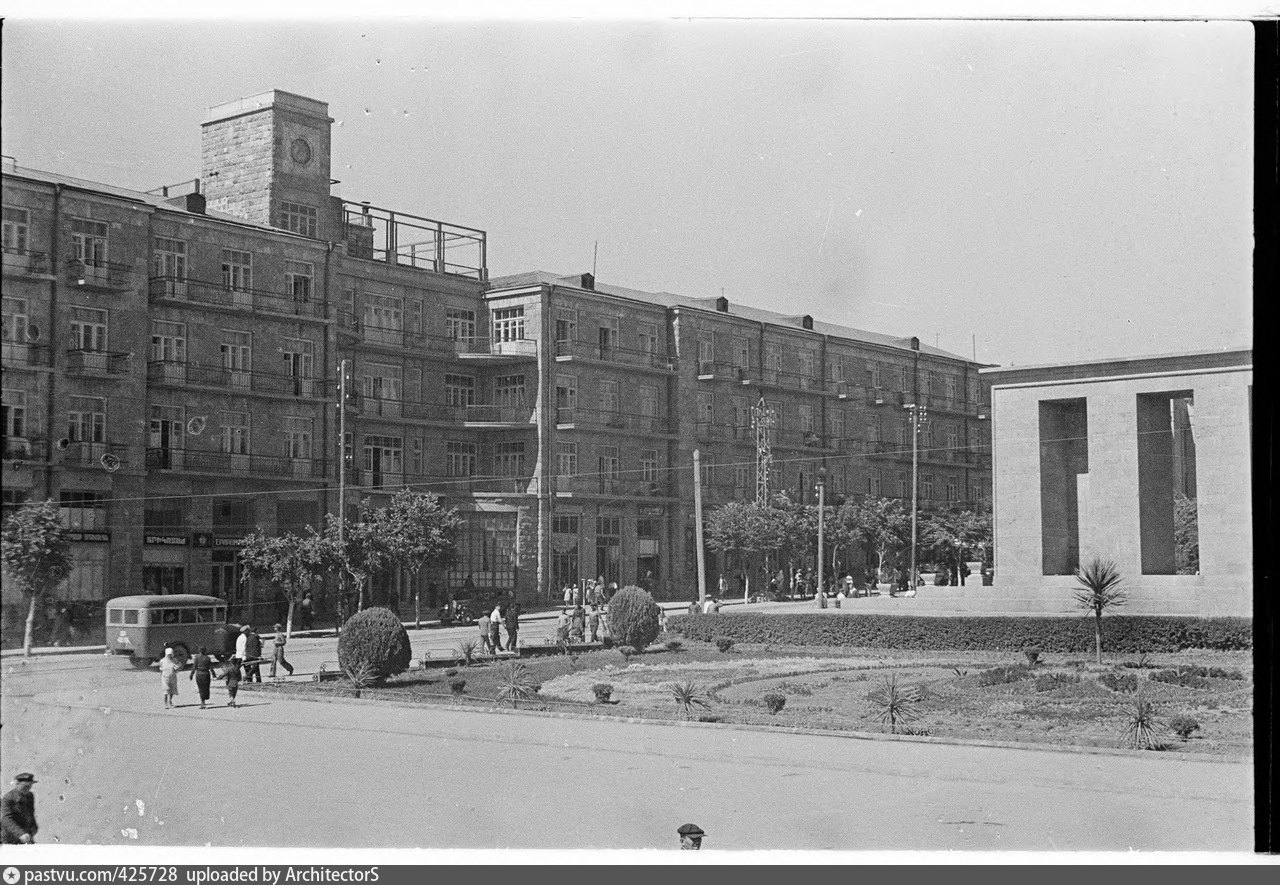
x,y
172,371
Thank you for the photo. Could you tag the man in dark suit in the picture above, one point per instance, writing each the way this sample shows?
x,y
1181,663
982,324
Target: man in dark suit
x,y
253,649
18,812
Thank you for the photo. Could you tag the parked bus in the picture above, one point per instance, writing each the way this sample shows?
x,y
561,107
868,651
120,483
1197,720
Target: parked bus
x,y
144,626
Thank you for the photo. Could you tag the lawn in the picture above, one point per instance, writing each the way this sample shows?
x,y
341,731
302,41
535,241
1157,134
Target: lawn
x,y
1059,702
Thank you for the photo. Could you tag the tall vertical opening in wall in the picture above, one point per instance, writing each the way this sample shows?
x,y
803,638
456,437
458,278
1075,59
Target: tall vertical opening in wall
x,y
1064,455
1167,510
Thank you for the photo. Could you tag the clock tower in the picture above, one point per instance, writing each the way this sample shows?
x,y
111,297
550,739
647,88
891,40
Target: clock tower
x,y
265,158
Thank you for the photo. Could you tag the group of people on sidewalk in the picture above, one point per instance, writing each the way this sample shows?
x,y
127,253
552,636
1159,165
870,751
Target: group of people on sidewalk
x,y
247,658
504,614
590,624
593,593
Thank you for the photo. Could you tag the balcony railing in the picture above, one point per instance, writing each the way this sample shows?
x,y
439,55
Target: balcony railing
x,y
234,464
520,347
609,419
179,374
733,432
235,298
604,485
99,274
440,484
102,455
25,448
16,354
24,261
98,362
593,350
411,241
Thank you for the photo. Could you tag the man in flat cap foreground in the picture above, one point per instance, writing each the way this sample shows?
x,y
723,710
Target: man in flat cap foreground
x,y
18,812
691,837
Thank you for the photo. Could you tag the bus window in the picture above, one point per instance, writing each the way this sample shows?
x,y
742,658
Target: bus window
x,y
169,616
204,615
220,615
187,616
114,616
131,616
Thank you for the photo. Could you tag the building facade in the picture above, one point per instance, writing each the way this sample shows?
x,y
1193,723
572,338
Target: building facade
x,y
1142,461
173,363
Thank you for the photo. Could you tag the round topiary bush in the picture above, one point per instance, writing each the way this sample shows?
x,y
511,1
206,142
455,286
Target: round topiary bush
x,y
603,691
633,618
775,702
375,637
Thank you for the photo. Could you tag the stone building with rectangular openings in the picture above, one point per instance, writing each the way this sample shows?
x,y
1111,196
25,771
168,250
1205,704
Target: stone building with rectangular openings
x,y
1144,461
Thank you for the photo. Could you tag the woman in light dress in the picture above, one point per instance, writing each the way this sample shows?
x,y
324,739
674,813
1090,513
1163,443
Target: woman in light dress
x,y
169,677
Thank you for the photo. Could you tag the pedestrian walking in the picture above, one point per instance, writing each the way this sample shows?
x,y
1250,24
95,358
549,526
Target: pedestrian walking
x,y
562,626
306,611
605,634
709,606
593,622
242,644
694,607
253,659
513,624
169,677
232,675
277,652
495,625
722,586
18,813
662,620
568,594
578,624
202,673
483,623
690,837
577,597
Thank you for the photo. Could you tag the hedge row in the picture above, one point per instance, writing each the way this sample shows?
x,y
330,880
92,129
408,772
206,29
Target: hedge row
x,y
1120,634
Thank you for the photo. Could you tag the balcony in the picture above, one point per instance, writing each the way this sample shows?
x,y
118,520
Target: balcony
x,y
569,418
255,301
803,439
406,240
234,464
178,374
601,485
101,455
710,370
24,262
99,274
730,432
764,378
98,362
16,355
567,351
25,448
490,350
879,396
437,483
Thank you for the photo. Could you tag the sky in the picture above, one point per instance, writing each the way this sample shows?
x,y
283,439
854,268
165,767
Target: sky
x,y
1027,191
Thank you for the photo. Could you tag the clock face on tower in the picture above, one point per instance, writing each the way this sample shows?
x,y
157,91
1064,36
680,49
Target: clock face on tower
x,y
300,151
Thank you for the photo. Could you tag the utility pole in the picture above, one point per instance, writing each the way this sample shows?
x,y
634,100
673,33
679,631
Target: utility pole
x,y
697,522
918,414
342,483
822,506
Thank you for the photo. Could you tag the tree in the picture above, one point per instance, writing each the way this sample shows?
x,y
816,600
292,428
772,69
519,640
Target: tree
x,y
361,551
1099,591
952,533
744,528
36,555
416,532
1186,535
290,562
883,525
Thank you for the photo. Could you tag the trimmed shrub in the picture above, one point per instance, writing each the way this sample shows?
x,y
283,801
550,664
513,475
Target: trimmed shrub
x,y
1050,681
626,651
775,702
1033,655
458,686
1185,678
1003,675
1119,681
633,617
674,645
1126,634
375,637
603,691
724,643
1183,725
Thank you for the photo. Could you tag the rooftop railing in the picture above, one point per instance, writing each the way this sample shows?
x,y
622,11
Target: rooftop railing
x,y
412,241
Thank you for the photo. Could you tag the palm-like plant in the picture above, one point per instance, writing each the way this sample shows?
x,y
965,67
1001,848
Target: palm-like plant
x,y
896,703
516,686
361,676
1143,730
1099,591
688,695
466,650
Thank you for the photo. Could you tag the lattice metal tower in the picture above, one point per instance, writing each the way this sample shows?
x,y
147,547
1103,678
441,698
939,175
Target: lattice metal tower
x,y
764,420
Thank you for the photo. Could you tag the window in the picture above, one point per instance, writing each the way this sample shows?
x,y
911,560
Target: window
x,y
383,460
649,403
88,329
16,230
926,485
89,575
89,240
837,368
708,470
926,383
168,341
565,528
772,362
382,382
706,411
10,501
873,429
953,490
949,387
873,482
237,270
973,390
609,548
165,432
508,459
299,356
806,418
873,374
15,320
904,489
647,530
160,519
609,468
835,422
235,433
384,312
741,353
297,433
608,337
566,397
460,324
169,259
566,459
647,338
461,458
902,379
565,524
741,479
566,325
417,456
300,278
298,218
706,353
486,552
237,356
83,511
806,364
15,414
87,419
508,390
609,397
508,324
741,417
649,465
459,390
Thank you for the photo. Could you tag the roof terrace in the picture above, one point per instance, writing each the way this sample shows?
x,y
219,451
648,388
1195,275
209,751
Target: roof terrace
x,y
413,241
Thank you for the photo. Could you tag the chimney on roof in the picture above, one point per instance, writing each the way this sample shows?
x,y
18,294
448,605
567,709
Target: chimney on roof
x,y
915,343
806,322
589,281
722,304
193,202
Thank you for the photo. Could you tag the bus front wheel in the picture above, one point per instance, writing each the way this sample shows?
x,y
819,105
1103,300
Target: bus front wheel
x,y
181,654
140,663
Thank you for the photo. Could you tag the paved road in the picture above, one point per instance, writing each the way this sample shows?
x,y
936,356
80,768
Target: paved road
x,y
112,763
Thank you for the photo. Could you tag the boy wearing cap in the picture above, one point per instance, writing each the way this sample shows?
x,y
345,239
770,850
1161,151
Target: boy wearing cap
x,y
18,812
691,837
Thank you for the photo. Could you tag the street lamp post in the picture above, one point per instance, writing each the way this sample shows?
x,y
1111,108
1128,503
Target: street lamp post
x,y
918,414
822,500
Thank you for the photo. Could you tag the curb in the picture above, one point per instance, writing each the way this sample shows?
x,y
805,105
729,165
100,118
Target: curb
x,y
787,729
53,651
